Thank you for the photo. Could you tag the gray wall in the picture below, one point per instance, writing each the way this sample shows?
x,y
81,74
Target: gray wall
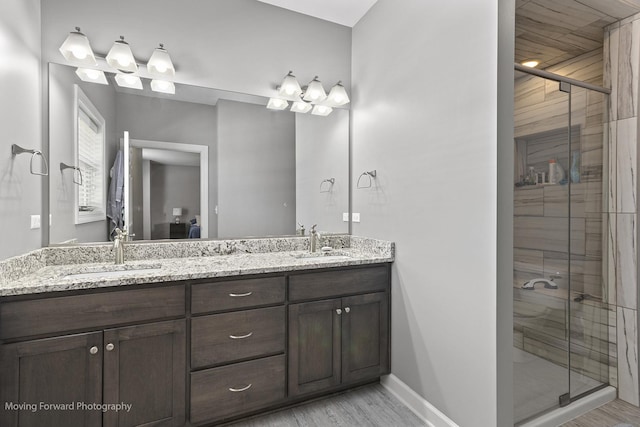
x,y
322,152
61,149
164,120
173,186
239,45
256,171
20,123
425,117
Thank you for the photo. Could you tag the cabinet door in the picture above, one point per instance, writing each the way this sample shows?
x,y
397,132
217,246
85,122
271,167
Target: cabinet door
x,y
365,336
314,346
65,370
144,366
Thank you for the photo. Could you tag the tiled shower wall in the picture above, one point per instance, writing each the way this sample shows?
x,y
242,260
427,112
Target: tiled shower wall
x,y
621,74
540,224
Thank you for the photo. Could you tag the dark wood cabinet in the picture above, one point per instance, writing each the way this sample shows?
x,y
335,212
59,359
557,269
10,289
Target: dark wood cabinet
x,y
177,230
145,366
337,341
61,371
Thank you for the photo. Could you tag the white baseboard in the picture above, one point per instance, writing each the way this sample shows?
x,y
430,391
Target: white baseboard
x,y
418,405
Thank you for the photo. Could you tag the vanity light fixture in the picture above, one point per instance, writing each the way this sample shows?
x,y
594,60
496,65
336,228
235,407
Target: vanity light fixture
x,y
163,86
121,58
277,104
129,80
315,92
76,49
301,107
338,95
160,64
92,76
321,110
289,88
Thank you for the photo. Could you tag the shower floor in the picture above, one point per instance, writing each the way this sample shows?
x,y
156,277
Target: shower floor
x,y
537,384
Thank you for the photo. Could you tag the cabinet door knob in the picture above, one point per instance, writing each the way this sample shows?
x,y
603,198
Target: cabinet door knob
x,y
110,347
338,310
93,350
347,309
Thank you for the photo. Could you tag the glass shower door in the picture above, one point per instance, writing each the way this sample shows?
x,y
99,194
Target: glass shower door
x,y
541,246
588,309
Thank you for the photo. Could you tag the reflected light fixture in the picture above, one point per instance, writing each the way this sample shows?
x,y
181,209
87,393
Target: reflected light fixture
x,y
321,110
301,107
121,58
338,95
92,76
160,64
128,80
163,86
277,104
289,88
76,49
531,64
315,92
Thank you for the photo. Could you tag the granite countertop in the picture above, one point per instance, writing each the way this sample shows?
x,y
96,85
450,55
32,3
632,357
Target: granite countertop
x,y
89,275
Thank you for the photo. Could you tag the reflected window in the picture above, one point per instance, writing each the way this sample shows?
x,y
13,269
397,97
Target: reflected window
x,y
89,150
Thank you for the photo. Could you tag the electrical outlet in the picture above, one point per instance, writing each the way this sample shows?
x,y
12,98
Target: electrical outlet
x,y
345,216
35,222
355,217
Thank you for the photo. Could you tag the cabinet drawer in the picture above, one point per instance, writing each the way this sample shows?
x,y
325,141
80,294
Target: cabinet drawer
x,y
221,338
331,284
58,314
232,294
232,390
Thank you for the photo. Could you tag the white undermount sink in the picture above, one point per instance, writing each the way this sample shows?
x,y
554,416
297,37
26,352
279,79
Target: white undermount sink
x,y
113,273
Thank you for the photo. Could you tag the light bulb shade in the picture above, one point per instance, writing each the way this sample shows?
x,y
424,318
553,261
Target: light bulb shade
x,y
92,76
160,64
177,211
315,92
289,88
77,50
163,86
121,58
128,80
321,110
338,96
277,104
301,107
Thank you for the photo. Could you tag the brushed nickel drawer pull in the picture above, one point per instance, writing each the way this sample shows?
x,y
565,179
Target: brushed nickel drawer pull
x,y
338,311
93,350
239,337
235,390
347,309
241,295
110,347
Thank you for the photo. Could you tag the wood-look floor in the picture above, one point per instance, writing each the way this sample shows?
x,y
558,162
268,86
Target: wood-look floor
x,y
370,406
613,414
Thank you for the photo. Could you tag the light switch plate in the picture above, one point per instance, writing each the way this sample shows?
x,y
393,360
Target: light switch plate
x,y
356,217
35,222
345,216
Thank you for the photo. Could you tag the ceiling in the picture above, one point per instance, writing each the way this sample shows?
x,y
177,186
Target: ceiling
x,y
552,31
343,12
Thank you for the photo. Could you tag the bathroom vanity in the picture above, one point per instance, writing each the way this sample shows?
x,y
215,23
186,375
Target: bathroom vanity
x,y
197,341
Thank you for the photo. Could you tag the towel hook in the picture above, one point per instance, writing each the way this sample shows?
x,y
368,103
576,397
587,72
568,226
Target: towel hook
x,y
16,149
64,166
327,188
371,174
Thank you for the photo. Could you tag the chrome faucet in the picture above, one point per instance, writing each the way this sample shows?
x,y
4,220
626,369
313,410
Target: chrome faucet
x,y
314,237
118,245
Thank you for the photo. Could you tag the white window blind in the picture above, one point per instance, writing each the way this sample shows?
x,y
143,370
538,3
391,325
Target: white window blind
x,y
90,157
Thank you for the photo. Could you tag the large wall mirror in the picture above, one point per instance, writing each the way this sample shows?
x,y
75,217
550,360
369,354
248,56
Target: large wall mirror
x,y
202,163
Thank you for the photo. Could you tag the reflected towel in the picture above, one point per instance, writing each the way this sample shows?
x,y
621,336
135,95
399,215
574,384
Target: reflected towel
x,y
115,197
